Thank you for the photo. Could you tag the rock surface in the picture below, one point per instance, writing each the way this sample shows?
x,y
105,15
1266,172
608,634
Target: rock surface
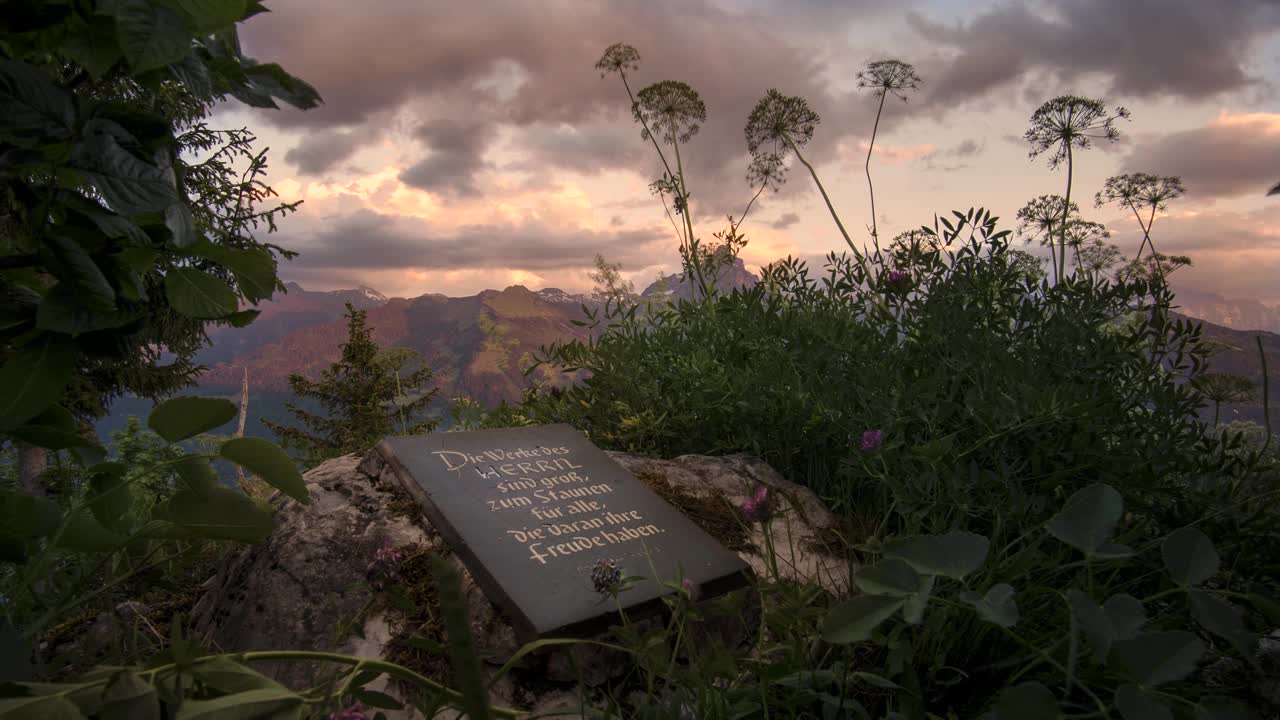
x,y
313,584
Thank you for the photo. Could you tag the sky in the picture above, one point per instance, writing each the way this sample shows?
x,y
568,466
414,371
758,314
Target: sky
x,y
473,145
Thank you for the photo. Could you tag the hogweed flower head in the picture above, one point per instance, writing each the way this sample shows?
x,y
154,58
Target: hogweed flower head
x,y
606,576
889,77
872,440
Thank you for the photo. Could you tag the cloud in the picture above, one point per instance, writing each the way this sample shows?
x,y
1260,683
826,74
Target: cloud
x,y
935,159
1233,155
785,221
455,157
319,151
1146,48
365,240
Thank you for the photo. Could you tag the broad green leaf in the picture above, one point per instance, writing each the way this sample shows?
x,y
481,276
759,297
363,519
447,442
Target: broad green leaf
x,y
1189,556
997,606
53,429
913,609
85,534
954,555
268,462
1093,621
264,703
1224,708
198,294
254,269
129,185
62,311
272,79
32,107
91,42
25,516
242,318
197,474
376,699
890,576
71,264
177,217
32,379
109,496
193,73
1136,704
1155,658
209,16
853,620
150,34
1126,614
227,676
1089,518
1268,607
1222,619
221,514
128,697
39,707
183,417
1027,701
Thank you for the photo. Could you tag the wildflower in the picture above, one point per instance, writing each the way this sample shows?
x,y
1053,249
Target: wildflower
x,y
690,588
898,278
759,506
385,566
872,439
606,576
351,712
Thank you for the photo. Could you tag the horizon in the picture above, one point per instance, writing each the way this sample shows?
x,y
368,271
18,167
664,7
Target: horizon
x,y
482,154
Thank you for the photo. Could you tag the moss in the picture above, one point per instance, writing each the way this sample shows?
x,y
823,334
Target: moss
x,y
712,511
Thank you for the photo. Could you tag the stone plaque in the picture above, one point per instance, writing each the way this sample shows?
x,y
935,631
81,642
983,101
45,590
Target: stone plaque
x,y
530,511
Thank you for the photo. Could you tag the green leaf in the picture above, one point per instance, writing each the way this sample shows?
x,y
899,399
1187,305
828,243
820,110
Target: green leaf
x,y
1222,619
129,185
109,497
183,417
890,576
954,555
1028,701
1093,621
53,429
1136,704
25,516
1155,658
39,707
264,703
1189,556
92,44
197,474
32,108
63,311
193,73
221,514
109,223
913,609
227,676
242,318
151,35
997,606
268,462
853,620
254,269
177,217
71,264
128,697
32,379
1266,606
198,294
1089,518
272,79
373,698
86,534
210,16
1126,615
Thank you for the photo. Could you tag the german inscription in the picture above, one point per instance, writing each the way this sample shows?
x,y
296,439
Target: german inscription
x,y
530,510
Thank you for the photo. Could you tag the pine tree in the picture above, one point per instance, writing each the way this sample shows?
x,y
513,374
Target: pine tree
x,y
365,396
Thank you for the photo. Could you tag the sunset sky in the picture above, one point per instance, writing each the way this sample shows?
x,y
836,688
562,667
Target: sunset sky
x,y
472,145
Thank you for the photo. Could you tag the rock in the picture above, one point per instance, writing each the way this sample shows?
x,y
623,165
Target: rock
x,y
312,584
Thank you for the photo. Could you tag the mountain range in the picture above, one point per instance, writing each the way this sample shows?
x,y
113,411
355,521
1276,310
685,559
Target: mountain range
x,y
479,345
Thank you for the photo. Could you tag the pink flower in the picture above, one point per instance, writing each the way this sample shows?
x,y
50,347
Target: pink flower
x,y
759,506
871,440
351,712
690,588
385,566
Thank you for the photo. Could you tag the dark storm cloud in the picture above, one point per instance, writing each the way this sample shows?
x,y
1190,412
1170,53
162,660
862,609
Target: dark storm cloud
x,y
785,221
365,240
444,56
1221,160
1187,48
454,157
321,150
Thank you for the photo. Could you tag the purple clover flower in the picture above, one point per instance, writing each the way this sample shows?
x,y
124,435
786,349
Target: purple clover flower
x,y
690,588
872,440
385,566
351,712
606,576
898,276
759,506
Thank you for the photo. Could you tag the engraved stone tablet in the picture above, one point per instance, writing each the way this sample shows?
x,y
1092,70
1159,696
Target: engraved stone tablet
x,y
530,511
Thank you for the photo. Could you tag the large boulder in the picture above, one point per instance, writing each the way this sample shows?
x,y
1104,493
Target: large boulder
x,y
318,582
